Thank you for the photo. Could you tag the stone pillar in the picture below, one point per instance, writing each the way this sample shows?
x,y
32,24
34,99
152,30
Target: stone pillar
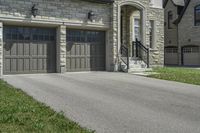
x,y
61,49
1,48
114,49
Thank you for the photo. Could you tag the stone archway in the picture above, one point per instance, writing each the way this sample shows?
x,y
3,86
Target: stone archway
x,y
132,7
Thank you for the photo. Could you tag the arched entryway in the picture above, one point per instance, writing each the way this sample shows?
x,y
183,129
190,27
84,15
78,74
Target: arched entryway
x,y
131,25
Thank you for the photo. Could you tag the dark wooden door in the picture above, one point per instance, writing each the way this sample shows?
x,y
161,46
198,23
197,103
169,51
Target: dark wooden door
x,y
85,50
29,50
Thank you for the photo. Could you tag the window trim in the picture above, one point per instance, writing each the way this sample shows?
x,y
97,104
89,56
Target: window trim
x,y
170,13
137,26
152,34
195,15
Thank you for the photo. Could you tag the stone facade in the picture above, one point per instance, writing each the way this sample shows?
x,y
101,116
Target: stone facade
x,y
63,14
148,13
61,49
189,35
184,33
157,52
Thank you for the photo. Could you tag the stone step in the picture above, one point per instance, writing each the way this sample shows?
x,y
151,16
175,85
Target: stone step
x,y
135,65
138,70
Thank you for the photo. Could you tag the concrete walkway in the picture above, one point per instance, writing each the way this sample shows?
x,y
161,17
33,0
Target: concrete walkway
x,y
117,102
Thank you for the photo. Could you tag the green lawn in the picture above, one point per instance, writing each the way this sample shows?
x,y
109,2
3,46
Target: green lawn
x,y
185,75
20,113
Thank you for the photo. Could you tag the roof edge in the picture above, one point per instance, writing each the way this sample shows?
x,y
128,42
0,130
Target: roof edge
x,y
177,21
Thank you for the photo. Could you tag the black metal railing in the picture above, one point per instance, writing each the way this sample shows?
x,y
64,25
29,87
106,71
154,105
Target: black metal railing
x,y
140,51
125,54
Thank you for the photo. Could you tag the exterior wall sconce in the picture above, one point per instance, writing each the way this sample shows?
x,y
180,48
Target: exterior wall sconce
x,y
91,15
34,11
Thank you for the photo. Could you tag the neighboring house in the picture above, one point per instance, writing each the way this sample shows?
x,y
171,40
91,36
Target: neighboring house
x,y
182,32
45,36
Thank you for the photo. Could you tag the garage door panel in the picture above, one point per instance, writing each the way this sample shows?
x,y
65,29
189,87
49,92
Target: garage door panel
x,y
88,63
73,50
34,64
27,65
14,49
26,49
41,50
83,63
30,51
20,48
7,49
192,59
88,49
7,65
45,64
40,64
13,65
20,65
73,63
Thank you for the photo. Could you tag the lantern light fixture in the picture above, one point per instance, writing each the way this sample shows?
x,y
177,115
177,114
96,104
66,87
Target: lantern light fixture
x,y
91,15
34,11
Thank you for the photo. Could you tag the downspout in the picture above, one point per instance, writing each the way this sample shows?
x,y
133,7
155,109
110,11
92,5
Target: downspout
x,y
179,48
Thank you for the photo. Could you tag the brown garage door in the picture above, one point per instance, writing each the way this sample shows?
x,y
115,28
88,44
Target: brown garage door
x,y
85,50
29,50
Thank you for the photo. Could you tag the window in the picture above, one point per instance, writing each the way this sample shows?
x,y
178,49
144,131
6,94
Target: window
x,y
137,29
192,49
170,19
171,49
151,33
197,15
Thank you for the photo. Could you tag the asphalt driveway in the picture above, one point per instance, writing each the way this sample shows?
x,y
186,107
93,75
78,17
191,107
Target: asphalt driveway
x,y
117,102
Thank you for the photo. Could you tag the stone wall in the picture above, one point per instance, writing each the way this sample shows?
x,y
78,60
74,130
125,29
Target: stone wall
x,y
61,49
150,13
74,11
157,52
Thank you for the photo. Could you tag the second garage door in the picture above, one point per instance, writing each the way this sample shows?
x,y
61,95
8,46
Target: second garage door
x,y
85,50
191,56
29,50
